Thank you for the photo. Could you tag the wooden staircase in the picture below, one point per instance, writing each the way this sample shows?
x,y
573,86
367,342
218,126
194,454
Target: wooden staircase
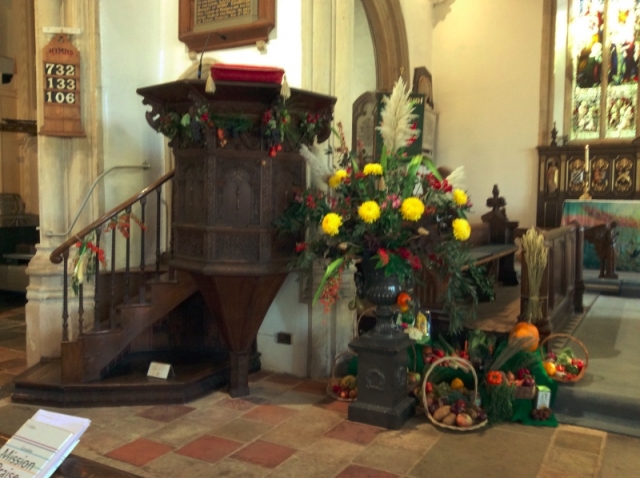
x,y
93,354
107,365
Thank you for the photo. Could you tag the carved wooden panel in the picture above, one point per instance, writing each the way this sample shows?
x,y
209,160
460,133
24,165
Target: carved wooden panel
x,y
623,176
289,176
190,186
576,176
552,175
239,247
188,242
237,191
600,176
613,174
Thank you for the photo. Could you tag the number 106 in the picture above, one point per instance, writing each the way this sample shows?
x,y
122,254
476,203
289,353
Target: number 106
x,y
59,97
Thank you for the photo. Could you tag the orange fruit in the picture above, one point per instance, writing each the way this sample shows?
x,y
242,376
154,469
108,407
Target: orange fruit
x,y
403,301
550,368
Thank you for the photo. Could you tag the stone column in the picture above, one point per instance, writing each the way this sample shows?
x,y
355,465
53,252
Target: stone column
x,y
327,59
330,331
66,170
327,53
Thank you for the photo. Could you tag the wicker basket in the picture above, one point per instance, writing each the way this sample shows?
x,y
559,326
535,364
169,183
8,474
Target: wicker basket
x,y
521,392
584,355
335,378
467,365
526,393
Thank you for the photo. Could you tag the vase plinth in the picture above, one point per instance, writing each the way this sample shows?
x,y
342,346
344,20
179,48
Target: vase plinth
x,y
382,357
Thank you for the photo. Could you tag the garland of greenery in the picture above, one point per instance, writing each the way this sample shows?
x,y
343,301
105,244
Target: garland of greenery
x,y
189,129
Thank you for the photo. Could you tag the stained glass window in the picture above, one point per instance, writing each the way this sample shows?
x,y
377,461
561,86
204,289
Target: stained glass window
x,y
604,37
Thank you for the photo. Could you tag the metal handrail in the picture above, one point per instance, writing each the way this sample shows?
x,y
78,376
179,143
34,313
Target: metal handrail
x,y
88,195
58,254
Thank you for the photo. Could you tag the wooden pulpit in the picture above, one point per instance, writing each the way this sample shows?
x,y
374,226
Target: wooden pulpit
x,y
236,171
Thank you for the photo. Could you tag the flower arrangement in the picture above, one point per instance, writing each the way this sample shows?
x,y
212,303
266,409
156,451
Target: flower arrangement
x,y
397,210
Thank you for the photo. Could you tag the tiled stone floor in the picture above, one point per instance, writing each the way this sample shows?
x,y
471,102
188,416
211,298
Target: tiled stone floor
x,y
288,427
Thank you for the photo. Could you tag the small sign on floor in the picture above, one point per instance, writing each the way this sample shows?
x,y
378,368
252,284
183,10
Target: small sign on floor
x,y
160,370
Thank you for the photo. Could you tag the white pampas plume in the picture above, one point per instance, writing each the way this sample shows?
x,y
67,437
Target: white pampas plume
x,y
320,171
456,178
397,118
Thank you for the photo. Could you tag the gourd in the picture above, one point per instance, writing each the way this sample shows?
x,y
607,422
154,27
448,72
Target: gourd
x,y
526,330
494,378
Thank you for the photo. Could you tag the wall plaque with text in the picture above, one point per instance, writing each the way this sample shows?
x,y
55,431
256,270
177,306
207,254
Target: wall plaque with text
x,y
61,89
225,23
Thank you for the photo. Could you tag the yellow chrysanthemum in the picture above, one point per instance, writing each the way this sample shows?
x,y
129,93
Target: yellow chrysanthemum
x,y
331,223
461,229
369,211
460,197
412,209
372,169
336,179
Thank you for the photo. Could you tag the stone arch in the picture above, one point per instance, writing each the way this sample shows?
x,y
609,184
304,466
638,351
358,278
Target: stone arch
x,y
390,44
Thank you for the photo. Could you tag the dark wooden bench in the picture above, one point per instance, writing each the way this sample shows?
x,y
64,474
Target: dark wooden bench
x,y
562,287
492,245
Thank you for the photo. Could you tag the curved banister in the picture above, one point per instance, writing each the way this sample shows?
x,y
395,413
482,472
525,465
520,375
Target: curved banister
x,y
57,255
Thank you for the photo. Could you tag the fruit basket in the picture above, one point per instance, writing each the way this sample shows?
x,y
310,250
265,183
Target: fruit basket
x,y
570,364
468,416
342,386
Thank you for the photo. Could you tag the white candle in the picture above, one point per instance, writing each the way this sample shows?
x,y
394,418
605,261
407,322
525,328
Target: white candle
x,y
586,158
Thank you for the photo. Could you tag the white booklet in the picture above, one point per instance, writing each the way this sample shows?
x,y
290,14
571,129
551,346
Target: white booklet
x,y
40,445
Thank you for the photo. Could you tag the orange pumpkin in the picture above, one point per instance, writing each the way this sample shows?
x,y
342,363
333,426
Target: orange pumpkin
x,y
525,329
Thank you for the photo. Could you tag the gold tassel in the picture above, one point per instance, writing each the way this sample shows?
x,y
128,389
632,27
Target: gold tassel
x,y
285,91
210,86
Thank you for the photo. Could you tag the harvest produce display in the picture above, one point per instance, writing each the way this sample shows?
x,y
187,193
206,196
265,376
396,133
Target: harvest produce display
x,y
450,404
563,366
567,365
345,388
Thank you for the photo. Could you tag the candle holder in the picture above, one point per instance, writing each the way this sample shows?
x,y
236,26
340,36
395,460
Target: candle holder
x,y
586,189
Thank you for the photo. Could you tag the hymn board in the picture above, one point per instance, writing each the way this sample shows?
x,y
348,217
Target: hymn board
x,y
61,89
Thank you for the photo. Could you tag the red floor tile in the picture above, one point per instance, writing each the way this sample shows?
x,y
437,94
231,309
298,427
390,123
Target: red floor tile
x,y
240,404
353,432
272,414
355,471
13,363
139,452
334,405
165,413
257,376
312,386
209,448
264,454
283,379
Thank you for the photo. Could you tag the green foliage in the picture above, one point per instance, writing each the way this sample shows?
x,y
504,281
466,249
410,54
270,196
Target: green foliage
x,y
499,407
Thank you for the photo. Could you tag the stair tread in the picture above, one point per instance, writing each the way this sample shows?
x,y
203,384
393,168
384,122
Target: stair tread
x,y
192,380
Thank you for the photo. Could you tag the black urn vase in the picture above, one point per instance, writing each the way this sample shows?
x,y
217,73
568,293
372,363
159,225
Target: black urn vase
x,y
382,355
381,290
